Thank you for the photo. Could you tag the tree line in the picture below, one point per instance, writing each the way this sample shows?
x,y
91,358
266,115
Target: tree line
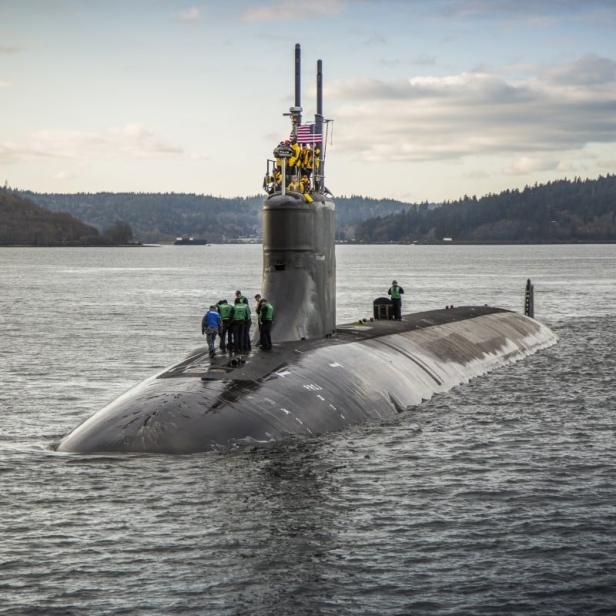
x,y
23,223
557,212
161,217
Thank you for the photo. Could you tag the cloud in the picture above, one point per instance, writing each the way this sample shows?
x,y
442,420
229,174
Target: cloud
x,y
63,175
472,114
525,9
8,49
374,40
588,70
131,140
290,10
5,84
424,60
525,165
192,13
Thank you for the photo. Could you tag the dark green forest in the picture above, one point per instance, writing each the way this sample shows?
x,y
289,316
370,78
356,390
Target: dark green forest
x,y
161,217
23,223
557,212
560,211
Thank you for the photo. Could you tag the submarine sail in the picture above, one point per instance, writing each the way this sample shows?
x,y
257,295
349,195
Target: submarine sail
x,y
299,231
318,377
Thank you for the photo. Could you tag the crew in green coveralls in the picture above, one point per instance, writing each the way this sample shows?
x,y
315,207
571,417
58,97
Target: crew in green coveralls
x,y
226,315
241,315
395,292
266,316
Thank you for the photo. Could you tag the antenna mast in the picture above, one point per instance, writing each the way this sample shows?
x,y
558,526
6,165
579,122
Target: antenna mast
x,y
296,110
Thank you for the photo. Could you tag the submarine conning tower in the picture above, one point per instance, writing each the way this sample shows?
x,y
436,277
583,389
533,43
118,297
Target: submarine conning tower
x,y
299,228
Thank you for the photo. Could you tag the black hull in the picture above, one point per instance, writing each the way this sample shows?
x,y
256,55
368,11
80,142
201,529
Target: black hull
x,y
365,373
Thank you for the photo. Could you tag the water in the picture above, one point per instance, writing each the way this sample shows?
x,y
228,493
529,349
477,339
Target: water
x,y
498,497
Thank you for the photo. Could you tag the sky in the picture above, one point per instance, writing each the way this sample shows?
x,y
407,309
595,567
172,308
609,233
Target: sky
x,y
430,99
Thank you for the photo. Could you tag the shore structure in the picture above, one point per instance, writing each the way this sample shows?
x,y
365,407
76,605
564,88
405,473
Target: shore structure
x,y
318,377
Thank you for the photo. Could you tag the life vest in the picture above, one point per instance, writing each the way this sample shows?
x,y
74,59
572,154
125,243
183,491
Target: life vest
x,y
241,312
225,311
307,159
267,312
317,158
296,154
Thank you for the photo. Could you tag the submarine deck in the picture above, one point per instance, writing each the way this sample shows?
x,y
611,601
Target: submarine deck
x,y
258,364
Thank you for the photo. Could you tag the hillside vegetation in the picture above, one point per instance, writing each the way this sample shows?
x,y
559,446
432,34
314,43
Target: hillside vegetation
x,y
156,217
561,211
26,224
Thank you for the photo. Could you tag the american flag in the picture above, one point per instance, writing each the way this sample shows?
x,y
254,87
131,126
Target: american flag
x,y
307,133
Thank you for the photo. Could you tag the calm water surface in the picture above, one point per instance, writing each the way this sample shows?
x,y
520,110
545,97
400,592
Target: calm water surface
x,y
496,498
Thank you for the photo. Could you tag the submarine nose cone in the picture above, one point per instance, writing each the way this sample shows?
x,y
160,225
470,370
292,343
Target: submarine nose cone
x,y
160,415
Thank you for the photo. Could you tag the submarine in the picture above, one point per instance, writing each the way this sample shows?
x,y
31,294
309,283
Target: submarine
x,y
319,376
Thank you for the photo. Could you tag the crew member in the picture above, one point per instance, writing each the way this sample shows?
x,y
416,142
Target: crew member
x,y
241,314
306,159
210,325
226,315
246,345
295,160
238,295
317,167
395,292
277,179
258,313
267,315
304,188
317,158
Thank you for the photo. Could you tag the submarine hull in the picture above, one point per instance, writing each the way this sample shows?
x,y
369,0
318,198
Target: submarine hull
x,y
364,373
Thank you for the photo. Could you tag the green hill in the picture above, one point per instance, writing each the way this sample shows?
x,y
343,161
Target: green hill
x,y
24,223
158,217
557,212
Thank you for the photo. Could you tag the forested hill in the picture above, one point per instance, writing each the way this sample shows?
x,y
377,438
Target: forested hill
x,y
156,217
560,211
23,223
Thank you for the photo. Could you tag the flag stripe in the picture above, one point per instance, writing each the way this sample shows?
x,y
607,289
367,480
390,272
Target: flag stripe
x,y
307,133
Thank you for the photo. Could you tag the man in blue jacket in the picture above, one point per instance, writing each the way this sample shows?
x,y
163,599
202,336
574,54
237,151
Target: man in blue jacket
x,y
211,324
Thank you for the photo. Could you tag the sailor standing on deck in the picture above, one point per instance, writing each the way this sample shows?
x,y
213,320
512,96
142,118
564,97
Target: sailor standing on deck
x,y
211,325
246,344
241,315
258,313
266,314
395,292
226,314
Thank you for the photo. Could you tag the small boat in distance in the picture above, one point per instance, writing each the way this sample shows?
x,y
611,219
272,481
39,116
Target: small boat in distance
x,y
186,240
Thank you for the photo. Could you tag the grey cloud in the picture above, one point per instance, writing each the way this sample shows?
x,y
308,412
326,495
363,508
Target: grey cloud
x,y
424,60
288,10
8,49
588,70
452,117
468,86
374,40
133,140
526,9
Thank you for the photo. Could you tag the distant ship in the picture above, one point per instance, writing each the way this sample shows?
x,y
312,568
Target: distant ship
x,y
186,240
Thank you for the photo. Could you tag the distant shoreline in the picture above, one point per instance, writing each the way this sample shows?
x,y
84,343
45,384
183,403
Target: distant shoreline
x,y
338,243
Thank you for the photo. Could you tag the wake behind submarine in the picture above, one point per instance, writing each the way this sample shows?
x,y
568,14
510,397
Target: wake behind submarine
x,y
318,377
